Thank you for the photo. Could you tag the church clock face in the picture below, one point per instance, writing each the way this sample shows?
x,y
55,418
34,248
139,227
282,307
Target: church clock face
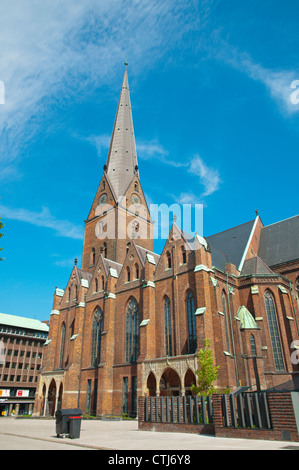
x,y
103,199
136,200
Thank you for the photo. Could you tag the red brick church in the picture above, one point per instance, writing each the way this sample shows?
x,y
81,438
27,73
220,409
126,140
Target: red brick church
x,y
130,321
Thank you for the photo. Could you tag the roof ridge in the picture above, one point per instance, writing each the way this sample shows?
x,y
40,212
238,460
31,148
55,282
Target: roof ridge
x,y
228,229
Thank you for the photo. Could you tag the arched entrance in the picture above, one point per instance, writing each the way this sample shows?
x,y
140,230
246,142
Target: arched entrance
x,y
151,385
189,381
52,398
170,383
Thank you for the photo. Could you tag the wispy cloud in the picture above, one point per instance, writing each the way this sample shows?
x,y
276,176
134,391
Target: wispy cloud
x,y
209,177
62,228
52,50
278,82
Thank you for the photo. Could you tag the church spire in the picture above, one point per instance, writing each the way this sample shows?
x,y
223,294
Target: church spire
x,y
122,163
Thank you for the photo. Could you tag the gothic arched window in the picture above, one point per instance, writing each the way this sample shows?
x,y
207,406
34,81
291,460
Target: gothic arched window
x,y
62,341
274,331
105,250
252,345
192,340
225,311
132,331
168,257
167,327
136,271
184,255
96,337
93,256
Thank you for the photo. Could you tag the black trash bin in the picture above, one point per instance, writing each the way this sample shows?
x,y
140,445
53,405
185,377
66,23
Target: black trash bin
x,y
75,427
63,420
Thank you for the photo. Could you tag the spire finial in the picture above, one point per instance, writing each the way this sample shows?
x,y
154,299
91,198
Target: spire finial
x,y
126,62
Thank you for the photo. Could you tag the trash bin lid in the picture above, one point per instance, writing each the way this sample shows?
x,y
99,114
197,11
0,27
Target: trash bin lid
x,y
68,412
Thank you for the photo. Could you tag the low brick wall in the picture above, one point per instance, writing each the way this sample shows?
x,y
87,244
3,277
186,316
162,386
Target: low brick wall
x,y
283,421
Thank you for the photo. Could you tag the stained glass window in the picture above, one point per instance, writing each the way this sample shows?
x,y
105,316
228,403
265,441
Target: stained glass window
x,y
224,310
274,331
191,323
167,327
97,328
132,331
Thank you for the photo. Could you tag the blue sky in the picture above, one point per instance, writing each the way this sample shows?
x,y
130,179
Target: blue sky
x,y
215,119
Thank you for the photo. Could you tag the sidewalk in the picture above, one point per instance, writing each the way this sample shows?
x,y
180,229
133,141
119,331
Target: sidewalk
x,y
117,435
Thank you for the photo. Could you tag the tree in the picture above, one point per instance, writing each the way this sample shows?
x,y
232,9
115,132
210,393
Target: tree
x,y
1,235
207,372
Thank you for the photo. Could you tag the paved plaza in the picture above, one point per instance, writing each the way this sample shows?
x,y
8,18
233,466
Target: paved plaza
x,y
40,434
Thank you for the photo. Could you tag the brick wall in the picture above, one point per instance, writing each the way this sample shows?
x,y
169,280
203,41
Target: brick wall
x,y
280,405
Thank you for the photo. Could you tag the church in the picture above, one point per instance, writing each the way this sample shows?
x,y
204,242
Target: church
x,y
130,321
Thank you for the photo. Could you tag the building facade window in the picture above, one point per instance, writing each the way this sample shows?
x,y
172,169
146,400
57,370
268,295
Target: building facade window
x,y
96,337
192,339
252,345
132,331
128,274
274,331
136,271
168,260
62,342
184,255
93,256
167,327
225,312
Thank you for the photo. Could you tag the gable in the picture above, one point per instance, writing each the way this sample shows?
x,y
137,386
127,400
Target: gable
x,y
104,196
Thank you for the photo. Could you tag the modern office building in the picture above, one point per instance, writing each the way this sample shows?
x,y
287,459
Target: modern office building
x,y
21,353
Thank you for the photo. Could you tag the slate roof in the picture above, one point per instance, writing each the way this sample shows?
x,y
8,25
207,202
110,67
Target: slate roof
x,y
229,246
255,266
84,275
143,252
112,264
279,242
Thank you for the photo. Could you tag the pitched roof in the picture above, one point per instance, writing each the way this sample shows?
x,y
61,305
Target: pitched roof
x,y
143,252
122,156
255,266
84,274
229,246
117,267
23,322
279,242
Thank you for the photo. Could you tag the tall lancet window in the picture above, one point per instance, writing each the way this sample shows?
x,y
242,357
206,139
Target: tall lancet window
x,y
62,342
226,320
167,327
192,339
96,337
132,331
274,331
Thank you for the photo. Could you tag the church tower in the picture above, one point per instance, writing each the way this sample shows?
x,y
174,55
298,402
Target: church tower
x,y
119,213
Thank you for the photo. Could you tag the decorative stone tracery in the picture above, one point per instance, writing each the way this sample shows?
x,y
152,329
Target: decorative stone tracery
x,y
179,364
